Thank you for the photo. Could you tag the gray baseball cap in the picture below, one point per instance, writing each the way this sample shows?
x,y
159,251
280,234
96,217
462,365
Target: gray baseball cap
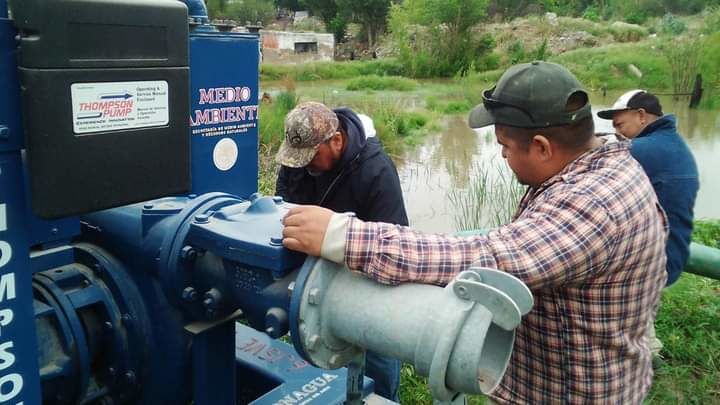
x,y
306,127
531,95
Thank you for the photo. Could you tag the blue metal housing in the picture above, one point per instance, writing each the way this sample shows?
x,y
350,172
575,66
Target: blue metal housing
x,y
138,305
224,112
19,377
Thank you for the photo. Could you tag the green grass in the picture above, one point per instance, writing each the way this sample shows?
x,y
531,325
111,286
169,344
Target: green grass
x,y
330,70
375,82
271,134
688,324
608,67
707,232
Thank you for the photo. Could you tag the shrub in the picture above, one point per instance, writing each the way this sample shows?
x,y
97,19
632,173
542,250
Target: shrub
x,y
711,20
672,25
434,37
541,53
591,13
489,61
623,32
517,52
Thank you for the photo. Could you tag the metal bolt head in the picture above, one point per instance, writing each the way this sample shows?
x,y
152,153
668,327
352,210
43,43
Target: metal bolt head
x,y
313,343
276,241
462,291
202,218
85,283
291,287
127,319
314,296
336,361
148,206
130,377
188,253
208,302
189,294
277,199
108,325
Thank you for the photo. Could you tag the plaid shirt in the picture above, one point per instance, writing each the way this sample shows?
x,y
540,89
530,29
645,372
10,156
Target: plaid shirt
x,y
590,245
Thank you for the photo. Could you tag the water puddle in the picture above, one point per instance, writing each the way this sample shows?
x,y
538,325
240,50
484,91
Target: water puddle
x,y
447,165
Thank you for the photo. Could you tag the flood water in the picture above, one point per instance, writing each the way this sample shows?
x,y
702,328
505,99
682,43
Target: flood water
x,y
447,162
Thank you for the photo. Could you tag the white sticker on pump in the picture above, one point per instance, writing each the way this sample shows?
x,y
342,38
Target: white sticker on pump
x,y
225,154
113,106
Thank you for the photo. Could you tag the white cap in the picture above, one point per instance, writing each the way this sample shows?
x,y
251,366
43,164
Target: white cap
x,y
368,125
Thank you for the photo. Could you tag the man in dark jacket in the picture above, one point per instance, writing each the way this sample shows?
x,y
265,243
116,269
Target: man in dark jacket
x,y
671,168
330,158
667,161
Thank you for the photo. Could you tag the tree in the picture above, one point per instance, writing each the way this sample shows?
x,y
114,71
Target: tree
x,y
435,37
371,14
242,10
294,5
327,11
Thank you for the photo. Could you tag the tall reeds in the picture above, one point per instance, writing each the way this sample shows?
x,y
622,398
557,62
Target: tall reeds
x,y
490,200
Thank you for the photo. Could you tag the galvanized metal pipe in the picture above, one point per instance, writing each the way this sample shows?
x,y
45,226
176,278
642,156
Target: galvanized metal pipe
x,y
460,336
704,261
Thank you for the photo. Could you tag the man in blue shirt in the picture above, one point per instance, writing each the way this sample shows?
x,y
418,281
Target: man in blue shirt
x,y
667,161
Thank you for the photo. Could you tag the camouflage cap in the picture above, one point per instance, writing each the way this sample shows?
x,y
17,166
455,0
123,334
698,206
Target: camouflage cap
x,y
306,127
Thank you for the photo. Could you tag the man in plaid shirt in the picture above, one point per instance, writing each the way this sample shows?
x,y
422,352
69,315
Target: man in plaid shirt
x,y
588,239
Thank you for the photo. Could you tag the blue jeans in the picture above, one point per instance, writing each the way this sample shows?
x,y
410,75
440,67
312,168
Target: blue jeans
x,y
386,373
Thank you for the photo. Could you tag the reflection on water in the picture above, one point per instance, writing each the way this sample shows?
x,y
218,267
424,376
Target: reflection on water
x,y
447,161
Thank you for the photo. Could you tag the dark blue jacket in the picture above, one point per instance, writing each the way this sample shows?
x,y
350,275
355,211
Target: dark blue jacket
x,y
363,181
670,165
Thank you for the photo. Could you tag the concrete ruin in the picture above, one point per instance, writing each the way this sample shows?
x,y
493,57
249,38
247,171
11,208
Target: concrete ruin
x,y
296,47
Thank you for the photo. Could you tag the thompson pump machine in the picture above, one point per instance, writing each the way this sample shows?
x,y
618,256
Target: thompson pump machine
x,y
132,240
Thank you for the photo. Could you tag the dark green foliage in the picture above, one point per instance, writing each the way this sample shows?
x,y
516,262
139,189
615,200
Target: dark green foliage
x,y
592,13
370,14
487,61
326,10
242,11
337,26
293,5
434,37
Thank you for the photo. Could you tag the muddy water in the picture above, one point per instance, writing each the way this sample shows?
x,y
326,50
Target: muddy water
x,y
447,161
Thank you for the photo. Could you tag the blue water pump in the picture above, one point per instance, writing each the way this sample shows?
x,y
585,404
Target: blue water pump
x,y
137,263
105,104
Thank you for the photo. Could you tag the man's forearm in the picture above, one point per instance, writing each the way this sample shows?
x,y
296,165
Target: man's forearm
x,y
393,254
